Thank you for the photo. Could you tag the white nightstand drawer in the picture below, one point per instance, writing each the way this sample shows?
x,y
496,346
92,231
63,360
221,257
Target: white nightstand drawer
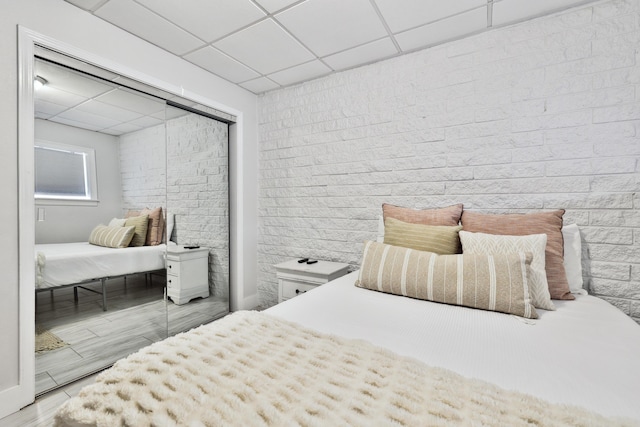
x,y
291,288
173,267
173,282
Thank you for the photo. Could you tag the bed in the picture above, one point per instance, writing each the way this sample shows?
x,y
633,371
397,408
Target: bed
x,y
112,251
355,352
76,264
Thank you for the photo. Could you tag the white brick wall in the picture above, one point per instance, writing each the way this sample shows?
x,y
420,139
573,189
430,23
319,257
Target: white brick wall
x,y
541,115
192,184
197,190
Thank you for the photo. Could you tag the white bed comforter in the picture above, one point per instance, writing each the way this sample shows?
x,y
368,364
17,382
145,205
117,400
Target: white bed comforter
x,y
586,353
67,263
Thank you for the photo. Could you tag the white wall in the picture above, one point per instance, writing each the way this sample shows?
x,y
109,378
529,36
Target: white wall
x,y
541,115
64,224
65,23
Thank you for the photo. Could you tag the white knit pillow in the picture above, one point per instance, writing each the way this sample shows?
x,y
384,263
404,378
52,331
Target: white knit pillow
x,y
481,243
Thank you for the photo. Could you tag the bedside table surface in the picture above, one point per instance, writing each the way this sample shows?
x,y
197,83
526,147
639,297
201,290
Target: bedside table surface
x,y
180,249
320,267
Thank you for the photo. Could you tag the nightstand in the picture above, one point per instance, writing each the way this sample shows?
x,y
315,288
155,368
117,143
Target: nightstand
x,y
296,278
187,273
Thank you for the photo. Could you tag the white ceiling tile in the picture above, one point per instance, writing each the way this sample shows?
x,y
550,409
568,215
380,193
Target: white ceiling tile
x,y
444,30
42,115
140,21
207,19
402,15
329,26
508,11
134,102
299,73
275,5
365,54
265,47
107,110
213,60
259,85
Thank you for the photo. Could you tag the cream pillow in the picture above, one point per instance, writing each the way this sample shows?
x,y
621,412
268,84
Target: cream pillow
x,y
117,222
484,281
111,237
573,257
481,243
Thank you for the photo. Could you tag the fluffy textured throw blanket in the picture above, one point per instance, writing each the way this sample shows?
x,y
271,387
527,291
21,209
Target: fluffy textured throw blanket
x,y
252,369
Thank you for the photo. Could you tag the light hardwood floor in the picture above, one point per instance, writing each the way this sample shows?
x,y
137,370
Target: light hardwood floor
x,y
137,315
136,310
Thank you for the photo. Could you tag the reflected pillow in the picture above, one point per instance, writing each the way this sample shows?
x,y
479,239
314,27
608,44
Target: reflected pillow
x,y
155,228
111,237
117,222
141,223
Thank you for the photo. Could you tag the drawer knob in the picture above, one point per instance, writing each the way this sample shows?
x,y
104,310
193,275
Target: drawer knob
x,y
169,265
298,291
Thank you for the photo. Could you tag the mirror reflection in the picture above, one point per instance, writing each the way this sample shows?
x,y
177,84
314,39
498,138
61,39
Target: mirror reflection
x,y
131,205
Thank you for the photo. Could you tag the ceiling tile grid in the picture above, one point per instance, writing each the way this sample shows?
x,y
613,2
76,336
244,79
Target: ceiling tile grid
x,y
266,44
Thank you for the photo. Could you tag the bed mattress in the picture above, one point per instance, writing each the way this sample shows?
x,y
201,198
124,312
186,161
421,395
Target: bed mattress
x,y
67,263
586,353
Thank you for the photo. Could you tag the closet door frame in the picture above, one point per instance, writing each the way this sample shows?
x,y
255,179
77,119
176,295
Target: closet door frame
x,y
23,393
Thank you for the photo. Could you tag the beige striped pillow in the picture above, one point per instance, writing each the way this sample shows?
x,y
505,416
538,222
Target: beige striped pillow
x,y
111,237
449,215
441,239
485,281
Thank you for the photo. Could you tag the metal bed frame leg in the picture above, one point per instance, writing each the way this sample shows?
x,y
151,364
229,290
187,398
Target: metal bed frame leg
x,y
104,294
75,294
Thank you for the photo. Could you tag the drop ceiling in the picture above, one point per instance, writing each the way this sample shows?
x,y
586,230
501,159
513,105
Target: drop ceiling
x,y
88,97
262,45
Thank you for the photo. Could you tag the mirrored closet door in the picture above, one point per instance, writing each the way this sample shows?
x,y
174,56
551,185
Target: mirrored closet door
x,y
113,162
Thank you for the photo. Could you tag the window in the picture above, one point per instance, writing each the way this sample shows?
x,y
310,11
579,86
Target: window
x,y
65,172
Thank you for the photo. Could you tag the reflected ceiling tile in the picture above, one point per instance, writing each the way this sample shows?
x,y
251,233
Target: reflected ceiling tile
x,y
50,108
69,81
123,128
74,123
265,47
329,26
299,73
42,115
444,30
275,5
140,21
85,4
368,53
401,15
207,19
107,110
134,102
57,96
218,63
259,85
146,121
88,118
508,11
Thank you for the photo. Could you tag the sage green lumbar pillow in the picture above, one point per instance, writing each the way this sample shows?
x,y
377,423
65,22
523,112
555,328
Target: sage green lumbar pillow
x,y
440,239
111,237
141,223
495,282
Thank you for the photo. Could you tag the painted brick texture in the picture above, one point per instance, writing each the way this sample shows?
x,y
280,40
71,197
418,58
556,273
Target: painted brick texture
x,y
192,184
541,115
